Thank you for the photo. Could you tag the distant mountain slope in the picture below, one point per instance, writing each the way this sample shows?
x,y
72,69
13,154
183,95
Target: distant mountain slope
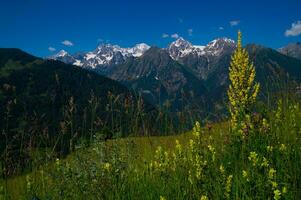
x,y
162,80
293,50
273,69
49,103
185,68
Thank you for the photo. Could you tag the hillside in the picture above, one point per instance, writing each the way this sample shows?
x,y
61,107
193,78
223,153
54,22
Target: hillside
x,y
46,103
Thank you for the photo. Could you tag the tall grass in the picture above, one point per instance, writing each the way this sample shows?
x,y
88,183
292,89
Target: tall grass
x,y
206,163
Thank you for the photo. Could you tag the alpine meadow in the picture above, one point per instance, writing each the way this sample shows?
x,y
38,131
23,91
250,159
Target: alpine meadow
x,y
173,120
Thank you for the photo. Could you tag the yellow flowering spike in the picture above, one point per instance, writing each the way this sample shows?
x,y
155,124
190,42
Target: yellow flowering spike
x,y
204,197
277,194
272,173
162,198
228,186
107,167
242,90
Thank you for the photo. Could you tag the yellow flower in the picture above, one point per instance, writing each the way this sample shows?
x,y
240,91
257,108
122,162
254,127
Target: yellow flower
x,y
265,162
277,194
162,198
197,130
28,183
178,147
107,166
244,173
269,148
204,197
243,90
284,190
212,150
282,147
228,186
274,184
272,173
222,169
191,144
253,157
190,178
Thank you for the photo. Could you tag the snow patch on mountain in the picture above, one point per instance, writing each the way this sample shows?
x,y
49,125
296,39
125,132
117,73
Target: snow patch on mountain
x,y
104,55
181,48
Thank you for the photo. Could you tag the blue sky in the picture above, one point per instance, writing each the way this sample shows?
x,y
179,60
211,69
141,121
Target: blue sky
x,y
40,26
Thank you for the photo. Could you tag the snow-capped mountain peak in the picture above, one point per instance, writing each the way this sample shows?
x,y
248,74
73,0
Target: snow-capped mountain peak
x,y
181,43
107,55
181,48
218,46
138,49
61,53
104,55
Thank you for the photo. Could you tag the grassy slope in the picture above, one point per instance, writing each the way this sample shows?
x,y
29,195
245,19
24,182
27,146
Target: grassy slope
x,y
138,151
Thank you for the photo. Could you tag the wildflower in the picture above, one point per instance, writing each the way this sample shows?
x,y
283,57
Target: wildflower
x,y
272,173
277,194
245,175
243,89
107,167
204,197
159,149
269,148
198,173
265,162
212,150
265,126
197,129
28,183
222,169
198,167
178,147
228,186
284,190
162,198
253,157
282,147
190,178
191,144
274,184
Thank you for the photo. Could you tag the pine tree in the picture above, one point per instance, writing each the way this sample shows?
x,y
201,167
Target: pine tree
x,y
242,90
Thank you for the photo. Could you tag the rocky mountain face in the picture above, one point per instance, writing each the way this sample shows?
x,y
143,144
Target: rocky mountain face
x,y
204,61
186,75
293,50
103,57
160,79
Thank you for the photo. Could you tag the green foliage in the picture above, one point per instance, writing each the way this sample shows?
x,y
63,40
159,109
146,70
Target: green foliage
x,y
202,164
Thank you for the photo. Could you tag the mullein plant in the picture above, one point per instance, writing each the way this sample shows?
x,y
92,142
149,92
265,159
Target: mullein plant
x,y
243,89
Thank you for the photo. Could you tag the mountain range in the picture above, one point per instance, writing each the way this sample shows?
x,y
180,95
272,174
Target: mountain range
x,y
184,76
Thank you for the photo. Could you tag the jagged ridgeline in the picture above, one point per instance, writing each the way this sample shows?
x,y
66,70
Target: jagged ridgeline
x,y
190,80
47,103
